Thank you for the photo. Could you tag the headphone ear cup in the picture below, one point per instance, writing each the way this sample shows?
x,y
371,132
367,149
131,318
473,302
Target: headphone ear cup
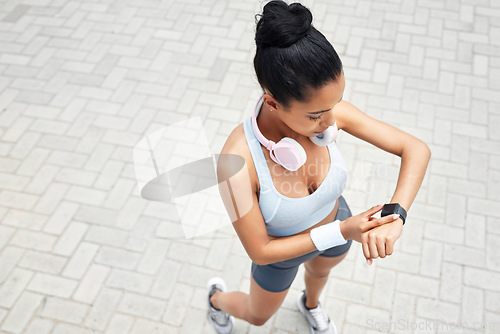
x,y
327,137
290,154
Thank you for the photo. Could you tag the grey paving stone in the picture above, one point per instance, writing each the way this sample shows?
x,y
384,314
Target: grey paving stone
x,y
81,83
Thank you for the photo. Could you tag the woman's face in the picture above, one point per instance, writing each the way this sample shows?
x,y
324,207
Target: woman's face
x,y
313,117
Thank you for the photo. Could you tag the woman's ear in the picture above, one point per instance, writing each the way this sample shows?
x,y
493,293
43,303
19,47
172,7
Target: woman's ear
x,y
270,102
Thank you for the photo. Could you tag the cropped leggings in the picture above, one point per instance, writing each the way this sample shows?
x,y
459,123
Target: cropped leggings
x,y
278,276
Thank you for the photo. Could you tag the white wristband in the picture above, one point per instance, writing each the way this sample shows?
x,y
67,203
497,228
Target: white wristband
x,y
327,236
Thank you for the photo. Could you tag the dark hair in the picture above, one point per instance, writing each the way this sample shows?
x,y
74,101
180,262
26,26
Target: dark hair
x,y
292,57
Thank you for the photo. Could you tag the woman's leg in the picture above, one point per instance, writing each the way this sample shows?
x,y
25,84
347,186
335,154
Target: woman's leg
x,y
316,276
318,268
255,308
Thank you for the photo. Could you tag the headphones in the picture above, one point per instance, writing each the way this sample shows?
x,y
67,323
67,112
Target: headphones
x,y
288,152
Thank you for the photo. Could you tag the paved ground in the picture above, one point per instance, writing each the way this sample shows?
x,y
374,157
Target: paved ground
x,y
82,82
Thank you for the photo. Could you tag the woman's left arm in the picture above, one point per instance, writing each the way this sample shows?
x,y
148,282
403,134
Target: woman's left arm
x,y
415,156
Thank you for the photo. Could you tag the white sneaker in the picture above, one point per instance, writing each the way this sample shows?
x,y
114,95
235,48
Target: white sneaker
x,y
221,321
319,322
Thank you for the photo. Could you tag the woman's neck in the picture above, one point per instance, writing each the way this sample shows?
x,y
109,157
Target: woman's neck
x,y
273,128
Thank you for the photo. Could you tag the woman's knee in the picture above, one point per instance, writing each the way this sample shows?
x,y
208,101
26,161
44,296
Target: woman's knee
x,y
320,266
256,321
259,316
323,272
263,304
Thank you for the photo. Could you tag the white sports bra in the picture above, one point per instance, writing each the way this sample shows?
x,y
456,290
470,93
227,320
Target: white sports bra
x,y
286,215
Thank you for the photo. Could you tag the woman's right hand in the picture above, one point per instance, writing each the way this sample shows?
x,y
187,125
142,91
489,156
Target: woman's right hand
x,y
354,226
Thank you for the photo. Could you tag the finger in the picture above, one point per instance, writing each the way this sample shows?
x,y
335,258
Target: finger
x,y
373,248
388,219
380,242
373,210
366,249
369,261
375,222
389,247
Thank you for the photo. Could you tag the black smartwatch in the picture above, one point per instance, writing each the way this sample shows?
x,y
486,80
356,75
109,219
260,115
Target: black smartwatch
x,y
392,208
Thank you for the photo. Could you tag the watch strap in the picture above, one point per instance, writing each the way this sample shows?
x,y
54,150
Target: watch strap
x,y
392,208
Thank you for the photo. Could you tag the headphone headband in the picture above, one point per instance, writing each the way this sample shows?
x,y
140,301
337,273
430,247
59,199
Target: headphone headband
x,y
288,152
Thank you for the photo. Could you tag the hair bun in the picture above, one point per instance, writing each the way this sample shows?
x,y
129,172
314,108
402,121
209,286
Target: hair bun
x,y
281,25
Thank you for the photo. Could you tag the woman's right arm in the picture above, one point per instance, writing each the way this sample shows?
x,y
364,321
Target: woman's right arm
x,y
241,203
240,200
251,230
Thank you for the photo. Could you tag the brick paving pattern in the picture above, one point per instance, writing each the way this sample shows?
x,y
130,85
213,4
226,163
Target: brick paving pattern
x,y
81,82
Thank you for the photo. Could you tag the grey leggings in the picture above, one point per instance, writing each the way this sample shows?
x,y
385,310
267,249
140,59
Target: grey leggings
x,y
278,276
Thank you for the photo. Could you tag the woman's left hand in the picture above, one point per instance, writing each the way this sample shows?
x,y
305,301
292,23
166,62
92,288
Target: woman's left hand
x,y
380,241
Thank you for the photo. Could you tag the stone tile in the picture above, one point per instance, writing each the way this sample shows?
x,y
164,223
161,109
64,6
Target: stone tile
x,y
382,295
52,285
91,284
178,305
120,323
40,326
153,257
103,308
480,278
452,280
21,312
63,310
80,260
365,316
33,240
43,262
472,306
475,231
14,286
435,309
464,255
70,239
417,285
432,257
60,218
147,326
23,219
141,306
129,281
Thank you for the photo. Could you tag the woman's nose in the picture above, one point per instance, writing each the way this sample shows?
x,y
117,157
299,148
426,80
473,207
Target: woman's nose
x,y
328,119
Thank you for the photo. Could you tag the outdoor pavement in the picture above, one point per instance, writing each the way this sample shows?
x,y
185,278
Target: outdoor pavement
x,y
82,82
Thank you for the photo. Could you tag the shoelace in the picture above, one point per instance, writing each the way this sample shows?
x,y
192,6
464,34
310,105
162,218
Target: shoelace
x,y
320,317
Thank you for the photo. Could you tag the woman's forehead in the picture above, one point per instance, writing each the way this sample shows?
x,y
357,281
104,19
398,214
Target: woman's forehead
x,y
321,98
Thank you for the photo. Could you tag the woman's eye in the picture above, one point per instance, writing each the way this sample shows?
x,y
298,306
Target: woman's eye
x,y
315,118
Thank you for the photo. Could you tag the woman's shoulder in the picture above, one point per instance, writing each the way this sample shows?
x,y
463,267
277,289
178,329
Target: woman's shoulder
x,y
341,112
236,143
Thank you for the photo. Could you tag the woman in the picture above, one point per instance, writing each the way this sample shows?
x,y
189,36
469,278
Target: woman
x,y
297,214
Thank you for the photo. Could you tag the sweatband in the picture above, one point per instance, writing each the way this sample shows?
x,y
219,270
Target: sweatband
x,y
327,236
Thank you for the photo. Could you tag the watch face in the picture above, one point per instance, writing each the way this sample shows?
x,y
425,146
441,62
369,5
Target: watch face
x,y
388,209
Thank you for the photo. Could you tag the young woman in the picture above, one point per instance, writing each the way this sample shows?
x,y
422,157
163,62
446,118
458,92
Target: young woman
x,y
296,213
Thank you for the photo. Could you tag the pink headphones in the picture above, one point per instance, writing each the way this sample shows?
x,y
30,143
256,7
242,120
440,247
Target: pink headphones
x,y
288,152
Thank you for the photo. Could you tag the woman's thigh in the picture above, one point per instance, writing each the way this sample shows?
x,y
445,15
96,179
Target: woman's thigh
x,y
262,304
270,284
343,213
321,265
327,259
